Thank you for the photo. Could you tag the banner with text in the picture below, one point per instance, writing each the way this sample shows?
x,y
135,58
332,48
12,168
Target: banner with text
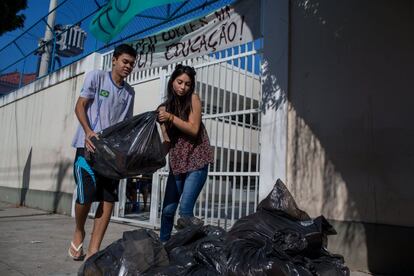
x,y
111,19
230,26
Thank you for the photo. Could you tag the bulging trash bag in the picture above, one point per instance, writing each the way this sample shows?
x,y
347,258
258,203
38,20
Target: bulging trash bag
x,y
129,148
254,255
182,256
137,252
184,237
209,252
281,239
195,250
281,201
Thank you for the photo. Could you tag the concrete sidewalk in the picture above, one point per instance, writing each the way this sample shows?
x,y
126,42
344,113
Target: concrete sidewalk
x,y
34,242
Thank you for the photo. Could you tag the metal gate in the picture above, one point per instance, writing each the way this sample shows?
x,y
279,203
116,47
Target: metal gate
x,y
229,85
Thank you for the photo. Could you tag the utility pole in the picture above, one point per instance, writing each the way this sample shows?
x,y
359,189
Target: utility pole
x,y
47,54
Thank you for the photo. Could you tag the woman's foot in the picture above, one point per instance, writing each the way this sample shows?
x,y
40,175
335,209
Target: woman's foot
x,y
184,222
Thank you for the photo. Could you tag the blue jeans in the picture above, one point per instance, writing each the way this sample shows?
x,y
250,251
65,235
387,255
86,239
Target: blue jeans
x,y
186,186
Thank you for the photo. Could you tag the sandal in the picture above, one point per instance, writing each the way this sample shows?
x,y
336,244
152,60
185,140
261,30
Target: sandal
x,y
78,249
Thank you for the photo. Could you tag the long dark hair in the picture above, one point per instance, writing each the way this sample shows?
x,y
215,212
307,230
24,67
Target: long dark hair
x,y
180,106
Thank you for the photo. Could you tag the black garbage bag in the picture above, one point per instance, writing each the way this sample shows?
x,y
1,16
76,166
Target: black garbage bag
x,y
176,270
195,250
182,256
280,201
255,255
185,236
330,264
281,239
209,253
170,270
292,236
129,148
137,252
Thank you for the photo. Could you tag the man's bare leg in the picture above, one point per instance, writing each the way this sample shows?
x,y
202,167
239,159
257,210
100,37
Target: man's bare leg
x,y
81,213
101,221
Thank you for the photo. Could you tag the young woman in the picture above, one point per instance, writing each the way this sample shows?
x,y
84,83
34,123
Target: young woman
x,y
189,148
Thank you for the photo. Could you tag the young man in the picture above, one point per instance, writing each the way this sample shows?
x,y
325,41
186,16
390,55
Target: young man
x,y
105,99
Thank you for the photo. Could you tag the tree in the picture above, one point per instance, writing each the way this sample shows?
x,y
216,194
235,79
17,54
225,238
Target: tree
x,y
9,20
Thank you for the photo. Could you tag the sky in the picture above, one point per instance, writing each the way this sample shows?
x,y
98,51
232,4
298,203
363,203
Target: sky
x,y
68,13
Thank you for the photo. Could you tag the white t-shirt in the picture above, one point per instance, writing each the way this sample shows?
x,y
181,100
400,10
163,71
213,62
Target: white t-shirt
x,y
110,103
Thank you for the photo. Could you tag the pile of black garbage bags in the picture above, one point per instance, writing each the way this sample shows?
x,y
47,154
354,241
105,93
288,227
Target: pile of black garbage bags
x,y
278,239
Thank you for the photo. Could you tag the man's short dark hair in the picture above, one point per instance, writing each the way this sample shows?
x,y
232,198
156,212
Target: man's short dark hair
x,y
124,49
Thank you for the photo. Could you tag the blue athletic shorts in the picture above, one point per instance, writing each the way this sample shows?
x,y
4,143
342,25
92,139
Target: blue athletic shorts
x,y
91,186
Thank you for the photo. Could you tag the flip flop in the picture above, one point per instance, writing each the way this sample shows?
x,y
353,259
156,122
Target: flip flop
x,y
79,249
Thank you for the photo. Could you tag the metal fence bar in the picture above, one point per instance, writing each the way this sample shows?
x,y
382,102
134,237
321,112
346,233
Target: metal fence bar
x,y
233,202
218,166
216,93
210,94
237,136
202,94
227,163
222,144
233,198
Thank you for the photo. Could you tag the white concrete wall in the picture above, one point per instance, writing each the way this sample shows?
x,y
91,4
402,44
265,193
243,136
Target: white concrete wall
x,y
275,29
350,130
233,137
147,95
37,131
350,116
38,123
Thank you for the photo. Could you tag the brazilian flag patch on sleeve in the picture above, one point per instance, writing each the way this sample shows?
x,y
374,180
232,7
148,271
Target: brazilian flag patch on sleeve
x,y
104,93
